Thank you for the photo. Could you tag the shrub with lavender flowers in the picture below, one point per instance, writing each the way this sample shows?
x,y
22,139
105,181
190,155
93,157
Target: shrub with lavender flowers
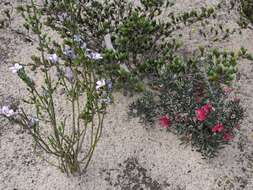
x,y
69,77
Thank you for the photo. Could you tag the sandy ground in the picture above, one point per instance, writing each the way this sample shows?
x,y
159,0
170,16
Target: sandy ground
x,y
129,157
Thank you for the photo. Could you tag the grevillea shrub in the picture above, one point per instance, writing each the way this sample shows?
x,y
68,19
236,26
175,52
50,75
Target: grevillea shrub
x,y
67,97
203,113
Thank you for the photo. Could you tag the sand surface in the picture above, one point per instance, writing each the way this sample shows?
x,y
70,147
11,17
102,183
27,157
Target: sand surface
x,y
129,157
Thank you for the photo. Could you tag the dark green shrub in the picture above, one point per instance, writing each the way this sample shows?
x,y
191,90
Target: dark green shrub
x,y
247,9
138,33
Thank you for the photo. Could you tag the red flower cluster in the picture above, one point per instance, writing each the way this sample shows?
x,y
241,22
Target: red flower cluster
x,y
207,108
204,111
218,128
165,121
201,114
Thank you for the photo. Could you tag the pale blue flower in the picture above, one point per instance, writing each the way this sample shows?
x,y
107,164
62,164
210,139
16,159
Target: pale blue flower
x,y
6,111
53,58
109,85
63,17
100,84
106,100
69,52
83,46
15,68
33,122
93,55
77,38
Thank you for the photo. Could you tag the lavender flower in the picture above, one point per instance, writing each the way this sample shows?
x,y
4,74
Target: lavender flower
x,y
69,52
100,84
93,55
109,85
33,122
96,56
63,17
16,68
69,74
53,58
83,45
6,111
106,100
77,38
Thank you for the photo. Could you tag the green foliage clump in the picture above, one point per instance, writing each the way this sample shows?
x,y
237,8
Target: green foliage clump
x,y
247,9
139,32
222,66
142,30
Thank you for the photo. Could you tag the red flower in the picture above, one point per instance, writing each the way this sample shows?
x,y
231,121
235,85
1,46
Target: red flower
x,y
218,128
201,114
207,108
228,137
164,121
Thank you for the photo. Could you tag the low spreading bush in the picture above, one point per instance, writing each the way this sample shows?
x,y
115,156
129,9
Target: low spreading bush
x,y
201,112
